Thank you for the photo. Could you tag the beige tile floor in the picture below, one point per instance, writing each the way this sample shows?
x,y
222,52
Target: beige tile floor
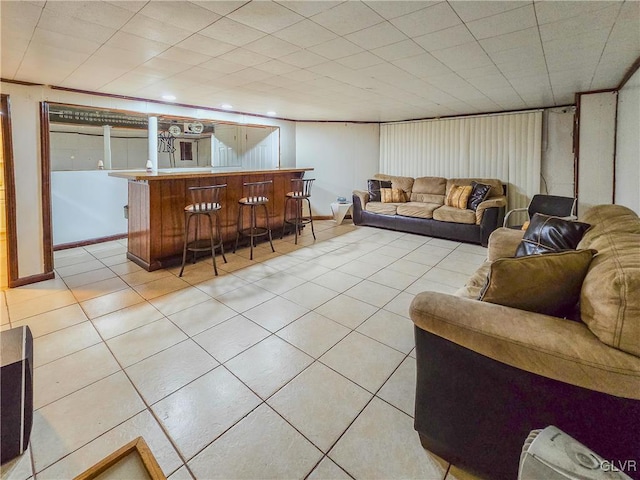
x,y
299,364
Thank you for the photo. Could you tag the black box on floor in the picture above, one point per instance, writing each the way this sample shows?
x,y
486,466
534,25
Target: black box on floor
x,y
16,391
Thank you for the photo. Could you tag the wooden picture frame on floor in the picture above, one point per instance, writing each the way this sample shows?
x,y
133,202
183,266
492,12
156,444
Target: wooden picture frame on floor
x,y
134,460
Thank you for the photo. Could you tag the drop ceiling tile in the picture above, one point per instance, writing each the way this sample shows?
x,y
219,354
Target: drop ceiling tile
x,y
272,47
474,10
130,81
268,17
330,69
526,54
105,14
394,9
337,48
486,71
385,71
184,15
127,41
449,37
462,57
548,12
348,17
305,34
303,59
93,74
244,57
62,9
166,67
301,75
223,66
184,55
427,20
603,18
131,5
226,30
199,75
152,29
59,40
21,11
276,67
205,45
308,8
221,7
521,38
423,65
376,36
489,82
396,51
127,58
74,27
507,22
360,60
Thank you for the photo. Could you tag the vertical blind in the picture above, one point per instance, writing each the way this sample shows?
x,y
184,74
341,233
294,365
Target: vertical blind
x,y
503,146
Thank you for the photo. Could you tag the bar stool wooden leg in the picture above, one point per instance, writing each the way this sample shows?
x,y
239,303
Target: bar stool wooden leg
x,y
213,244
238,227
266,217
219,237
187,221
311,219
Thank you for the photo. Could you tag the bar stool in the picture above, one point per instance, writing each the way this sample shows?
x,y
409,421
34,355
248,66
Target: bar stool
x,y
205,201
301,191
256,197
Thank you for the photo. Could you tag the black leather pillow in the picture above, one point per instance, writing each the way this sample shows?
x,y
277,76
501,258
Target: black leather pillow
x,y
546,234
479,193
374,187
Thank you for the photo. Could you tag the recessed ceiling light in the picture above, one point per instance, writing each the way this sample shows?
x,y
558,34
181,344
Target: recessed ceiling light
x,y
271,113
226,106
169,97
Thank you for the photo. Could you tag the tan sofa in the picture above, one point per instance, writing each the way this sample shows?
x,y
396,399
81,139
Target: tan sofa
x,y
425,211
489,374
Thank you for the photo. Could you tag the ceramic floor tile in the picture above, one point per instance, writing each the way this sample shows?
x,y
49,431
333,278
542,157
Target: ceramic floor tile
x,y
282,262
111,302
426,255
262,445
382,443
140,277
234,263
375,259
424,285
333,260
202,410
313,333
79,268
228,339
194,274
81,417
125,268
181,474
276,313
307,270
162,286
409,268
60,343
279,282
245,298
267,366
337,281
400,304
201,317
459,266
141,425
102,246
363,360
347,310
394,251
138,344
359,268
179,300
441,242
391,329
19,468
71,373
310,295
97,289
45,303
400,389
122,321
220,285
80,257
74,281
54,320
393,278
470,248
372,293
68,252
477,258
109,252
118,259
256,272
328,470
320,404
167,371
34,290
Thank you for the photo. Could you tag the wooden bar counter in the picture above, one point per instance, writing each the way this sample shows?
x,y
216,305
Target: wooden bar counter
x,y
157,201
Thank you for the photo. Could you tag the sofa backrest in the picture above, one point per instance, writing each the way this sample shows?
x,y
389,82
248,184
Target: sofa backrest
x,y
610,295
403,183
496,185
429,190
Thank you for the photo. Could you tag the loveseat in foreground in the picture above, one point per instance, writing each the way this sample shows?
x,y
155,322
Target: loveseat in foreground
x,y
488,374
423,210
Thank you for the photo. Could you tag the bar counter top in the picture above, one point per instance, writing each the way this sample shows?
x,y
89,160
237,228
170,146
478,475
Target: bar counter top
x,y
186,173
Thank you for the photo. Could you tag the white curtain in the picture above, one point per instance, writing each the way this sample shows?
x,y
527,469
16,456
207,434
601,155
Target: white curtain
x,y
504,146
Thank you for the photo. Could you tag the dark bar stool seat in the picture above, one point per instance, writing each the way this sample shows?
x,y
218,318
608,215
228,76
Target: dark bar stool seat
x,y
256,197
301,191
205,201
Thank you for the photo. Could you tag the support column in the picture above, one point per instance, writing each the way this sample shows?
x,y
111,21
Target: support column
x,y
153,143
107,146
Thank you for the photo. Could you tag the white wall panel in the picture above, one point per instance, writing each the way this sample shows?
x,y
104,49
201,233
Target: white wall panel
x,y
627,170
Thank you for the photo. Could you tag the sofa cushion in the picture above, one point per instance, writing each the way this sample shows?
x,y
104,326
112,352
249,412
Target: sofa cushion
x,y
403,183
392,195
458,196
429,190
547,234
548,283
382,208
417,209
609,301
455,215
496,185
479,193
374,187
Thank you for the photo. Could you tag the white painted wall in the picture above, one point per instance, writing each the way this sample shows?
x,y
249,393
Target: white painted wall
x,y
343,155
597,146
557,152
25,119
87,205
627,185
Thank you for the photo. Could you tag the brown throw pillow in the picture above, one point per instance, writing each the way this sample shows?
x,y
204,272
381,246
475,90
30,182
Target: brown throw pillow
x,y
547,234
374,187
548,283
479,193
458,196
392,195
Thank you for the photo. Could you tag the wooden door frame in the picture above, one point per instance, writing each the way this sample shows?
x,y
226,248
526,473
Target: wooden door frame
x,y
10,191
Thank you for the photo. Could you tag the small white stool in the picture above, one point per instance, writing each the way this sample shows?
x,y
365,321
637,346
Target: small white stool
x,y
340,210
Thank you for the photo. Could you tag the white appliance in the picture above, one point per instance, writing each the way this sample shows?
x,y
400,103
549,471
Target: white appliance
x,y
551,454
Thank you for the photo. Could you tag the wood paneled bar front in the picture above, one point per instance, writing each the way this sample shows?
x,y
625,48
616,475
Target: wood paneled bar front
x,y
157,201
